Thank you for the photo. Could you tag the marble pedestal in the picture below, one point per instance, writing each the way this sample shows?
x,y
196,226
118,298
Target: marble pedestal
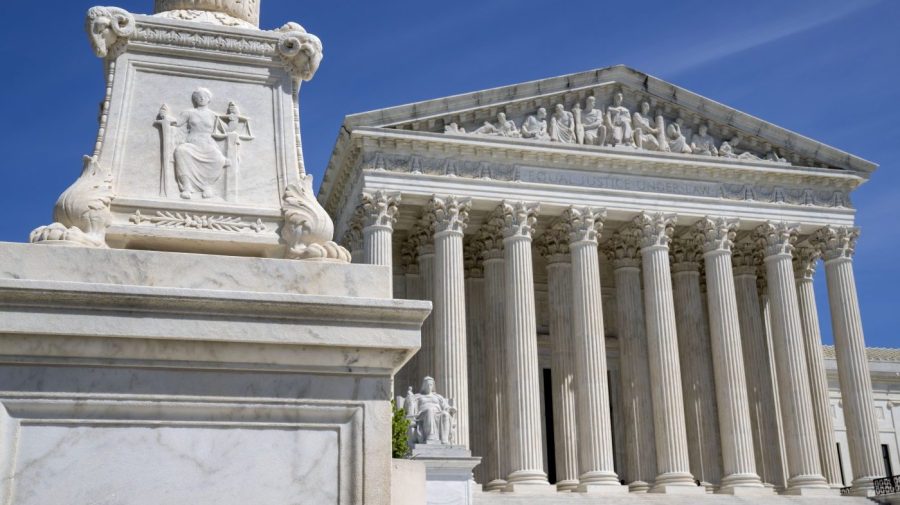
x,y
138,378
448,473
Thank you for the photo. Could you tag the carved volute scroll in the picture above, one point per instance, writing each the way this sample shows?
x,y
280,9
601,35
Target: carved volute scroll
x,y
717,233
301,51
776,238
308,229
108,29
450,214
655,229
516,219
583,224
805,259
837,242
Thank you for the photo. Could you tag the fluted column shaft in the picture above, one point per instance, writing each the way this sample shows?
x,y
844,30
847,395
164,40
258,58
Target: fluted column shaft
x,y
496,457
477,359
409,374
735,428
758,368
450,217
426,288
523,390
562,356
640,451
672,460
698,383
838,245
804,268
804,469
595,447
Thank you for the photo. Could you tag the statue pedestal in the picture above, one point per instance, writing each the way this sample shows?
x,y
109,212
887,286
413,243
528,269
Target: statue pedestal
x,y
153,377
448,473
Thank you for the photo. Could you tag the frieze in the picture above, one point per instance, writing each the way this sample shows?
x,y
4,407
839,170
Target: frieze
x,y
196,221
196,39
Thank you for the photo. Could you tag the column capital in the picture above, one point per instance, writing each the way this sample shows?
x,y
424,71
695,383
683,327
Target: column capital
x,y
449,214
717,234
516,219
408,255
379,208
836,242
776,237
656,229
472,258
745,257
553,245
353,236
583,224
422,235
805,259
624,249
686,252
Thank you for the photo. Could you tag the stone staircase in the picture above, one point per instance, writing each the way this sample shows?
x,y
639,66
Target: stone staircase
x,y
661,499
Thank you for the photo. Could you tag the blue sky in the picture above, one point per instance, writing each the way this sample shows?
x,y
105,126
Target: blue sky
x,y
828,69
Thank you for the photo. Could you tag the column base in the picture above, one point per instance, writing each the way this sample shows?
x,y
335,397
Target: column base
x,y
863,487
495,485
567,485
742,484
809,485
638,486
676,482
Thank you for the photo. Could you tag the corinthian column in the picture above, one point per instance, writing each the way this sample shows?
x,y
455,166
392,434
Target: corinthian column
x,y
838,245
476,355
640,449
698,384
450,216
595,451
761,394
523,387
738,459
424,240
804,469
496,456
805,259
655,232
379,210
554,247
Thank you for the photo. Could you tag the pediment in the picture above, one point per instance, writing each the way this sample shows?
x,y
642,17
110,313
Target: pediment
x,y
510,114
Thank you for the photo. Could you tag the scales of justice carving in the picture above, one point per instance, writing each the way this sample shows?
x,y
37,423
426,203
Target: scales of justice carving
x,y
432,417
193,161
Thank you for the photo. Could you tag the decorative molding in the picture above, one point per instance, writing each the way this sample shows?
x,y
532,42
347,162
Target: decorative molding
x,y
82,212
300,51
776,238
308,230
201,222
109,29
263,46
836,242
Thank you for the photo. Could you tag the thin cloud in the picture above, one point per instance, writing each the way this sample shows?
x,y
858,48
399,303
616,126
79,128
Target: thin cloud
x,y
780,27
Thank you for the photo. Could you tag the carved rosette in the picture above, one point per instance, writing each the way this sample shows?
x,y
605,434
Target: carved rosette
x,y
717,233
776,238
308,230
516,219
300,50
82,212
805,259
449,214
108,30
837,242
380,208
553,245
583,224
655,229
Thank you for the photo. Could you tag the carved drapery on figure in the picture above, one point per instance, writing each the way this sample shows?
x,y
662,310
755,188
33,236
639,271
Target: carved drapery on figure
x,y
432,417
191,156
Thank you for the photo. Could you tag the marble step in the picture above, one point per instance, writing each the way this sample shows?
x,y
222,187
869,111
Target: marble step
x,y
660,499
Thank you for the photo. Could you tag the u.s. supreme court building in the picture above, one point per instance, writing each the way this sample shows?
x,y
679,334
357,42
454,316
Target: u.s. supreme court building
x,y
621,272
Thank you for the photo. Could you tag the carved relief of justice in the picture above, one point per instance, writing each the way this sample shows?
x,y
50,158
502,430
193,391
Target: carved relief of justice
x,y
201,149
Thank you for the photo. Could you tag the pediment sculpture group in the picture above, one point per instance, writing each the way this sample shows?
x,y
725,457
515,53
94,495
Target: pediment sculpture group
x,y
616,126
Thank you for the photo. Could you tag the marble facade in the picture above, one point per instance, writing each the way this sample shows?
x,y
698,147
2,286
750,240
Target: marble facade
x,y
642,243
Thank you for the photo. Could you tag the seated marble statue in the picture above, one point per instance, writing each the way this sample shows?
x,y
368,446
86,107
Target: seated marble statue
x,y
618,120
562,125
645,134
677,142
431,414
592,121
703,143
503,128
535,127
199,163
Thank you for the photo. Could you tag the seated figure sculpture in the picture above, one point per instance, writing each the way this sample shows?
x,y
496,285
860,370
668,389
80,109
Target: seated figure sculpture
x,y
431,416
562,125
646,136
703,143
618,120
592,122
535,127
